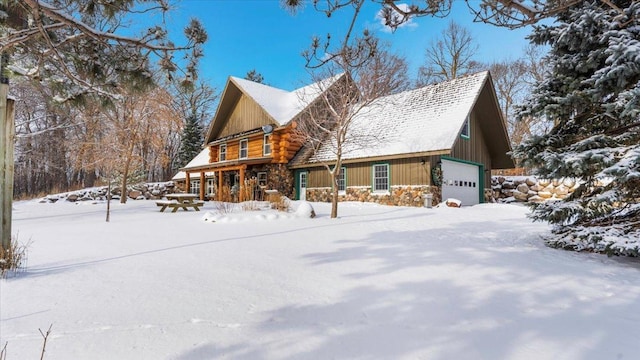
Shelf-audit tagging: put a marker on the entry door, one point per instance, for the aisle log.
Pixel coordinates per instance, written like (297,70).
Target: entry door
(303,185)
(460,181)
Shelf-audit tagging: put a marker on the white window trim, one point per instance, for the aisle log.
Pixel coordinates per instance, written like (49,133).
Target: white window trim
(266,143)
(220,152)
(373,179)
(246,141)
(194,186)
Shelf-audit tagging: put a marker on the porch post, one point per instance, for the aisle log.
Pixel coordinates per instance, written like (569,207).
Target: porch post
(242,168)
(187,182)
(202,185)
(219,192)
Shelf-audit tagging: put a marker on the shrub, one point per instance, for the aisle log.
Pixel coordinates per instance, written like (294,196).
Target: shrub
(13,259)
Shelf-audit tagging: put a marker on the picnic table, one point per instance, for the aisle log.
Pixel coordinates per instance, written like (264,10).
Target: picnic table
(180,201)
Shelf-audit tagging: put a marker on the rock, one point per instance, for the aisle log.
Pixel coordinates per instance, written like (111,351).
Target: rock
(569,183)
(544,183)
(530,182)
(535,187)
(536,199)
(72,197)
(520,196)
(134,194)
(523,188)
(501,179)
(508,185)
(561,191)
(544,194)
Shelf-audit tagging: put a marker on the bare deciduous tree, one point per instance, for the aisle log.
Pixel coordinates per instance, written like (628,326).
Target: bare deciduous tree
(326,125)
(450,56)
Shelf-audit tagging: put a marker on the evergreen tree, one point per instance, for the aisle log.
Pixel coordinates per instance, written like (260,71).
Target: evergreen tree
(593,96)
(254,76)
(191,141)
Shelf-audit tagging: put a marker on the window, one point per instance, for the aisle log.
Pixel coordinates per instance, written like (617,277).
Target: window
(262,179)
(266,149)
(244,149)
(194,187)
(342,179)
(465,128)
(211,186)
(381,177)
(222,153)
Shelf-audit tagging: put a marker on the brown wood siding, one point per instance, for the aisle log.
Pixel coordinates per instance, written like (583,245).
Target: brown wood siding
(318,177)
(246,115)
(403,172)
(410,172)
(474,148)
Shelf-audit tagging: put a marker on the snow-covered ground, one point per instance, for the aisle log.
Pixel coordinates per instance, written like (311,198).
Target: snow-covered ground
(378,283)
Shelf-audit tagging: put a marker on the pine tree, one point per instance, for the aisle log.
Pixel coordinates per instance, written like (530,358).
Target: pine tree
(593,96)
(191,141)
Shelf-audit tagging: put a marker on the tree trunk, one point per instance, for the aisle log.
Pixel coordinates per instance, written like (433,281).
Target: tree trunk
(7,135)
(334,195)
(125,173)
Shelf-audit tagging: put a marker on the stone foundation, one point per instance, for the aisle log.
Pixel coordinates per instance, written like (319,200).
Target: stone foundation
(399,195)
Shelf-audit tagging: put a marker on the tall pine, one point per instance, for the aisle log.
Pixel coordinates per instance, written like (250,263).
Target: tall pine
(593,96)
(191,141)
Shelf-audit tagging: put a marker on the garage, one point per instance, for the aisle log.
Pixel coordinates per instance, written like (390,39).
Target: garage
(461,180)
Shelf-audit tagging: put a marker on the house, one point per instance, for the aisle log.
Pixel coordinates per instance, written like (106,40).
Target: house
(442,139)
(250,141)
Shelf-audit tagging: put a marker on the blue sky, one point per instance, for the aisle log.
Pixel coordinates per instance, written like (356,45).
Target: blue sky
(261,35)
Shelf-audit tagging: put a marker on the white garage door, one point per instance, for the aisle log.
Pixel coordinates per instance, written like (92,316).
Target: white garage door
(460,181)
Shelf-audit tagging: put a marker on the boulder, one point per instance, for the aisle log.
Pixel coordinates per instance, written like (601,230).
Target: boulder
(530,182)
(134,194)
(520,196)
(508,185)
(523,188)
(544,182)
(544,194)
(72,197)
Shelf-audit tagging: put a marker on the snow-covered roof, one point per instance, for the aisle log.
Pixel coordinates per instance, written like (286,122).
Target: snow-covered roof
(200,160)
(415,121)
(283,105)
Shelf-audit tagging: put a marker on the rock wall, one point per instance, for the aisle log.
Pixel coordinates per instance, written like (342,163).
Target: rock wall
(530,189)
(135,192)
(399,195)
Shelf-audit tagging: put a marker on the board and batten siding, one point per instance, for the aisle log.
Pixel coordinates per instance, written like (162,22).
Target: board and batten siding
(474,148)
(403,172)
(246,115)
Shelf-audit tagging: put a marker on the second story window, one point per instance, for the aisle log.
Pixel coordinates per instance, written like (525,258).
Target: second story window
(244,149)
(267,145)
(465,128)
(222,153)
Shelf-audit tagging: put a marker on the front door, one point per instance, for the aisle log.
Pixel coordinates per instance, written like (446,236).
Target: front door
(303,185)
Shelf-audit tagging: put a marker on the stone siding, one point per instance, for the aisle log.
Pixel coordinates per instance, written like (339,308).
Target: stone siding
(399,195)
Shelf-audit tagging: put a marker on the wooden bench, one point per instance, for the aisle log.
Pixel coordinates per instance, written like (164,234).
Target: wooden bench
(177,205)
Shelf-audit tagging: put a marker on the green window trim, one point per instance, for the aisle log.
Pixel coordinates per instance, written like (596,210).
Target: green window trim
(343,173)
(465,133)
